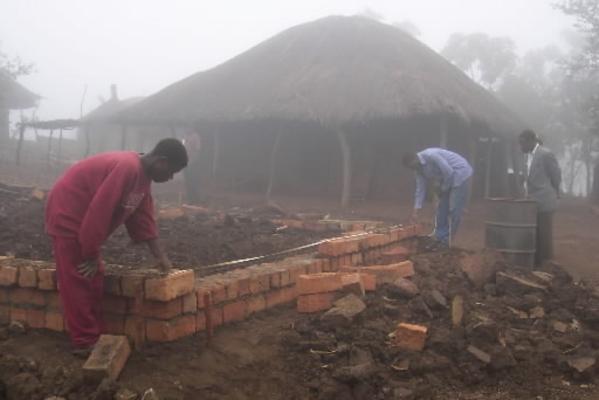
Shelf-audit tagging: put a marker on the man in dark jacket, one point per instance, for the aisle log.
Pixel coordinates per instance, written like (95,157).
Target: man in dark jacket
(542,183)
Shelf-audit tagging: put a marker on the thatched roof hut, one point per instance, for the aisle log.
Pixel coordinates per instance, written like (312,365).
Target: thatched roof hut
(348,75)
(14,96)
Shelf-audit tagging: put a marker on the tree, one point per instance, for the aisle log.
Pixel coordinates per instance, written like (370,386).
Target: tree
(14,66)
(584,71)
(485,59)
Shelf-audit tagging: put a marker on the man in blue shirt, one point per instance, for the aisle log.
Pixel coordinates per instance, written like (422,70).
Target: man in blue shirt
(450,174)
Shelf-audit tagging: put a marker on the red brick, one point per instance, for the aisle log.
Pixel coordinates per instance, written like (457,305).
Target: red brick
(217,316)
(190,303)
(218,293)
(354,283)
(200,295)
(335,261)
(54,321)
(244,286)
(108,358)
(167,331)
(315,267)
(114,324)
(162,309)
(319,283)
(232,289)
(312,303)
(396,255)
(36,318)
(275,279)
(4,314)
(46,279)
(200,321)
(256,303)
(338,247)
(18,314)
(22,296)
(295,271)
(27,276)
(369,281)
(171,286)
(3,296)
(54,302)
(112,284)
(390,273)
(8,275)
(410,337)
(115,304)
(285,278)
(356,259)
(259,283)
(280,296)
(132,285)
(236,311)
(135,330)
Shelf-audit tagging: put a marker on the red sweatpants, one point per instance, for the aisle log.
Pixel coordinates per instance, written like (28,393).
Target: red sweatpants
(81,297)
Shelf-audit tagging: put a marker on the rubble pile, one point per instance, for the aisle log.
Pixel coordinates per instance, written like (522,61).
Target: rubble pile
(461,320)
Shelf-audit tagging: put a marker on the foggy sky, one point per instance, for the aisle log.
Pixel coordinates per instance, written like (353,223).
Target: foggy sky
(144,45)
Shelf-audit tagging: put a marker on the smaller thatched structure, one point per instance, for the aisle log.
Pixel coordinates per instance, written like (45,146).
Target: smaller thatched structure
(13,96)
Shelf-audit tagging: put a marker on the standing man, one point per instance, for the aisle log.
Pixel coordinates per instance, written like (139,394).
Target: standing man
(191,174)
(84,207)
(542,184)
(450,174)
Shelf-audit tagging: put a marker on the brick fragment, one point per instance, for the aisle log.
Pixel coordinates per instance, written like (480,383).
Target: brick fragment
(256,303)
(46,279)
(108,357)
(171,286)
(410,337)
(312,303)
(235,311)
(27,276)
(54,321)
(167,331)
(162,309)
(22,296)
(319,283)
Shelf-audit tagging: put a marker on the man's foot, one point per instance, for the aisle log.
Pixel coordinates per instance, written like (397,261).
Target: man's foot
(82,352)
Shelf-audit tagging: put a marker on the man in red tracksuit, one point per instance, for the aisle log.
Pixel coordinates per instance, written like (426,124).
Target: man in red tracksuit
(84,207)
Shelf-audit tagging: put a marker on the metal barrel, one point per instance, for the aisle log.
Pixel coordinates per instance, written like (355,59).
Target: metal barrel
(511,229)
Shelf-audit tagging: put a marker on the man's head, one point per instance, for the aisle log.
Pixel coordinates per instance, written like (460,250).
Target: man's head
(165,160)
(528,140)
(410,160)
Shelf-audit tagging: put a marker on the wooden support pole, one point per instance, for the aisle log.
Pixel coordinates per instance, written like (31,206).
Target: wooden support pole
(272,167)
(488,169)
(20,143)
(49,146)
(59,155)
(87,129)
(346,167)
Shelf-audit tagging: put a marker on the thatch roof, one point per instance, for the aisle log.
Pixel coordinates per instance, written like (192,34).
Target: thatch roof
(14,96)
(336,70)
(107,111)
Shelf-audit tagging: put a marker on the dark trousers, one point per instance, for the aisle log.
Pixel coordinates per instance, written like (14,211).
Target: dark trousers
(544,237)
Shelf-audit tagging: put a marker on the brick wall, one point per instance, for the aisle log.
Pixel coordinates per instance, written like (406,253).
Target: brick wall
(150,307)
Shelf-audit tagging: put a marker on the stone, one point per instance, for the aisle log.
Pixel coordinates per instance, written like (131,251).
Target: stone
(457,311)
(560,326)
(403,287)
(479,354)
(344,310)
(108,357)
(537,313)
(16,328)
(581,364)
(544,277)
(125,394)
(517,285)
(150,394)
(479,267)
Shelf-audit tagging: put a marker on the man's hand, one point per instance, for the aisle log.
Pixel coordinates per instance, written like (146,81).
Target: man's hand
(164,264)
(89,268)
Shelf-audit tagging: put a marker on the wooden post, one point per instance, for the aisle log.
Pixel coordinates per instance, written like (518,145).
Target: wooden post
(346,167)
(49,146)
(87,129)
(20,143)
(443,133)
(272,166)
(123,136)
(59,155)
(488,169)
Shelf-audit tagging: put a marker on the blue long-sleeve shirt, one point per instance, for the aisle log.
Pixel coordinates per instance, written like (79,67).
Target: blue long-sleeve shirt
(446,167)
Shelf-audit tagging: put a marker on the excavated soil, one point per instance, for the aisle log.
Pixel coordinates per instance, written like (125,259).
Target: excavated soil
(536,337)
(191,240)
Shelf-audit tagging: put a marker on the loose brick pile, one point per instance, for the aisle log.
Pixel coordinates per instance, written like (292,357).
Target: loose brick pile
(146,307)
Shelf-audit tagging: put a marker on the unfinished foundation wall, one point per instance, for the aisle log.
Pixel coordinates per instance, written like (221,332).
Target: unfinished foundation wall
(149,307)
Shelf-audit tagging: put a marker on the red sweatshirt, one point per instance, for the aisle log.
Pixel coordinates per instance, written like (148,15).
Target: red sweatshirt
(98,194)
